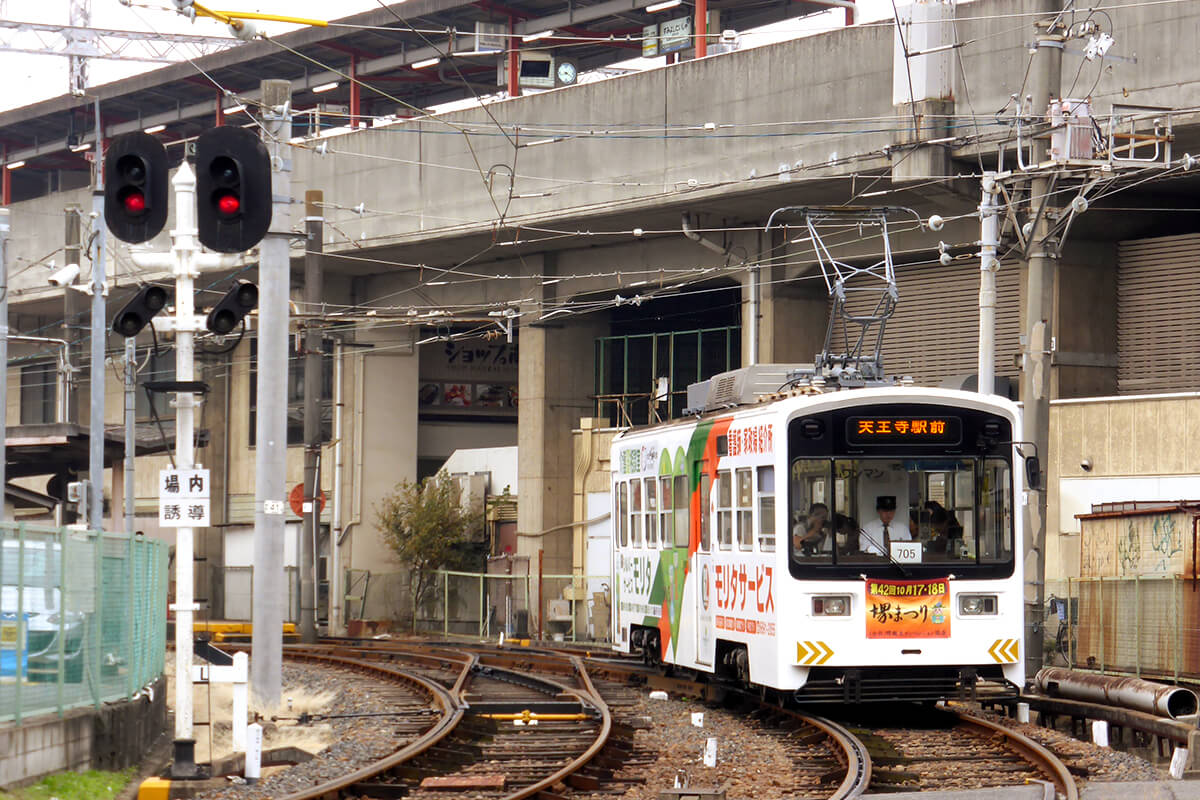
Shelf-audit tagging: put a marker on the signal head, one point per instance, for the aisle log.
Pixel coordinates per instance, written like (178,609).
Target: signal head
(232,308)
(233,186)
(138,312)
(135,187)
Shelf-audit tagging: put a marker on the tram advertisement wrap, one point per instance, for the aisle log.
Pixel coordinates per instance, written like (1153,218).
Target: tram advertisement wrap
(908,609)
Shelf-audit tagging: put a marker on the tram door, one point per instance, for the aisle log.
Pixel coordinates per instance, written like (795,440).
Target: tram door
(705,642)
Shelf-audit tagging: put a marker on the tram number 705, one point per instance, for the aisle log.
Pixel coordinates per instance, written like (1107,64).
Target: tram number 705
(906,552)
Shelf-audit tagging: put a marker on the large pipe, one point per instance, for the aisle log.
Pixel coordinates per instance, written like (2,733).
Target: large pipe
(1134,693)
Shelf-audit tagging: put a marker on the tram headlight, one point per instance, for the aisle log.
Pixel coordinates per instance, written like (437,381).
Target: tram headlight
(837,605)
(976,605)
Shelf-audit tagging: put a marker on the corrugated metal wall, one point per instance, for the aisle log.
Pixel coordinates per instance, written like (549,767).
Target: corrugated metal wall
(934,333)
(1158,314)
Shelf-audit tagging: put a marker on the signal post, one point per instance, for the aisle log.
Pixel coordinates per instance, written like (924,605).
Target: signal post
(135,200)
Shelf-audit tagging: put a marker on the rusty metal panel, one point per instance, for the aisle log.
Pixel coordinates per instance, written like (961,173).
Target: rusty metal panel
(1137,543)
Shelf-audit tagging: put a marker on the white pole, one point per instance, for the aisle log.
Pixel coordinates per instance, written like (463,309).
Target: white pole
(989,265)
(184,247)
(241,704)
(253,753)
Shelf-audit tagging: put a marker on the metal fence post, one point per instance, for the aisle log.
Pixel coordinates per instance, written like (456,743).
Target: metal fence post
(21,668)
(445,604)
(1071,604)
(61,538)
(131,595)
(1177,590)
(1103,654)
(484,621)
(1137,625)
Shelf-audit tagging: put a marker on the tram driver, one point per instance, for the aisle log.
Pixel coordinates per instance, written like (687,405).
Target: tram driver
(878,534)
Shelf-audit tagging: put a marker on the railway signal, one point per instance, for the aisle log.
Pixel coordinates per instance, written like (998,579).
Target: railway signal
(232,308)
(233,189)
(135,187)
(135,314)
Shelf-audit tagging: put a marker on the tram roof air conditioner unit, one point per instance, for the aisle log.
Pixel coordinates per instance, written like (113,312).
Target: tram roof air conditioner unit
(740,386)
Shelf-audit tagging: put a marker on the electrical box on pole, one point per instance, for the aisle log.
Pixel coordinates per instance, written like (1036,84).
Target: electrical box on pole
(135,187)
(135,314)
(233,189)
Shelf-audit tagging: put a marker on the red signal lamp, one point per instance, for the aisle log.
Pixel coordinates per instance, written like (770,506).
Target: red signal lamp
(134,202)
(229,204)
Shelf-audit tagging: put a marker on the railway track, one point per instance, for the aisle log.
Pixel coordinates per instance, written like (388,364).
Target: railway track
(510,723)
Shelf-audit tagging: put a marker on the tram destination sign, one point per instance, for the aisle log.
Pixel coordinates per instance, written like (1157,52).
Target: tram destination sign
(927,430)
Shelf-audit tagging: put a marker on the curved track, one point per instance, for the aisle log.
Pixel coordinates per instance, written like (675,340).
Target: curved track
(484,693)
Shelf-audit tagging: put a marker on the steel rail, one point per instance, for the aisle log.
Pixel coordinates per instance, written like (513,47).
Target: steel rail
(589,696)
(452,714)
(858,760)
(1045,761)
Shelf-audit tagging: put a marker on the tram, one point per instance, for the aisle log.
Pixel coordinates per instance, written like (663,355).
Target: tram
(835,544)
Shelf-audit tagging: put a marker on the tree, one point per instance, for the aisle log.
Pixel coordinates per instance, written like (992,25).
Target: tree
(428,528)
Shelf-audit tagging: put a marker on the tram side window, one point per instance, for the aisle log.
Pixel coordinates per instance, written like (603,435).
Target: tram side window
(635,517)
(766,509)
(623,513)
(725,509)
(745,508)
(651,512)
(664,515)
(705,512)
(812,533)
(680,497)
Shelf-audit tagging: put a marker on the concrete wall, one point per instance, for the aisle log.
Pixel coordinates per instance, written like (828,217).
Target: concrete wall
(112,738)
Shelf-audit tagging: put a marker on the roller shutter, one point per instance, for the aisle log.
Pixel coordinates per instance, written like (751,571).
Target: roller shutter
(934,333)
(1158,315)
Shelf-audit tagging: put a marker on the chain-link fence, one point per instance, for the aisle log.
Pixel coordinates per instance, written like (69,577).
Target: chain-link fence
(1144,626)
(83,617)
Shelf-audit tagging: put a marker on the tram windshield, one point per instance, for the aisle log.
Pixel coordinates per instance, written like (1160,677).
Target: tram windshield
(949,512)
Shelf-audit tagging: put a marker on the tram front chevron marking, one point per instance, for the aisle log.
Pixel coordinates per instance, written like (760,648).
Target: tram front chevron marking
(813,653)
(1005,651)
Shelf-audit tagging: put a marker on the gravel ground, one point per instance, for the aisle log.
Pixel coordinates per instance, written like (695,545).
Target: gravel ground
(752,761)
(1103,764)
(341,746)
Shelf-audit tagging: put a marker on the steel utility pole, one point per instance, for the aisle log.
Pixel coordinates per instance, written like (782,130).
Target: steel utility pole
(1046,77)
(99,340)
(314,224)
(271,436)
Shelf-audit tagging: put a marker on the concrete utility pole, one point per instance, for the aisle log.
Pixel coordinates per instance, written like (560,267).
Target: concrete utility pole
(271,436)
(99,340)
(5,226)
(989,265)
(1046,77)
(314,224)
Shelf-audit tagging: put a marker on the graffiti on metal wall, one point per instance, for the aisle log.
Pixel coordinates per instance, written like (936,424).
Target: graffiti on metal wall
(1149,545)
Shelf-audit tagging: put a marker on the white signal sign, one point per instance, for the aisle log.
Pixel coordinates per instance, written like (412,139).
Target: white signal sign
(183,498)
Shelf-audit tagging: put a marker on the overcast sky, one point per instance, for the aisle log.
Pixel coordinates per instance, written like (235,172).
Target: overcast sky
(29,78)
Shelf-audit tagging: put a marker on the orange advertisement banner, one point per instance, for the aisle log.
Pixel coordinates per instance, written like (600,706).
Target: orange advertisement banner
(908,609)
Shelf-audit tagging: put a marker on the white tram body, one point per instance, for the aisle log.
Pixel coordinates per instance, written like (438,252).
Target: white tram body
(723,564)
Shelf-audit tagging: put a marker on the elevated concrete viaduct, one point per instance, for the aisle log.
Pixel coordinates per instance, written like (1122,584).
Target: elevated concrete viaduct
(532,205)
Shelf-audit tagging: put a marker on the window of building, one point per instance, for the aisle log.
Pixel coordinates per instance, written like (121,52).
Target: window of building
(39,388)
(295,394)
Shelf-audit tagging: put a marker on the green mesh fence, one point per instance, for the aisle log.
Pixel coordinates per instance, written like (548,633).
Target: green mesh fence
(83,617)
